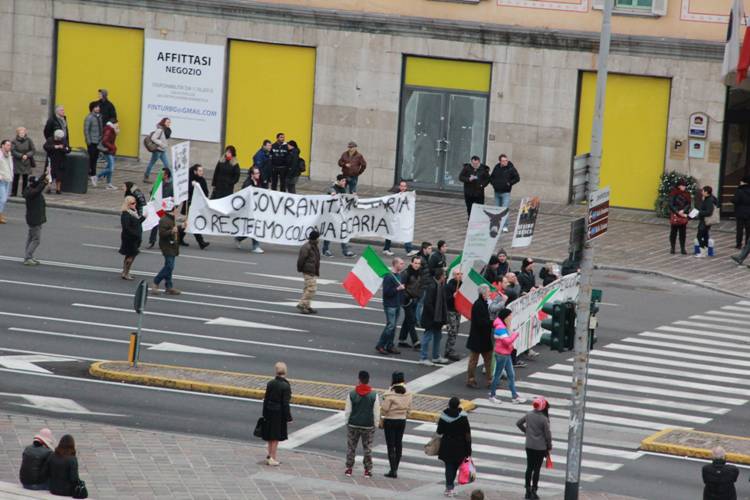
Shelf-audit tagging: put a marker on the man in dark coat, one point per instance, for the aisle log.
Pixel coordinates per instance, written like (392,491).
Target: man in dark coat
(308,263)
(279,162)
(741,201)
(437,258)
(719,477)
(36,215)
(434,316)
(58,121)
(170,248)
(106,108)
(480,340)
(455,444)
(502,178)
(475,176)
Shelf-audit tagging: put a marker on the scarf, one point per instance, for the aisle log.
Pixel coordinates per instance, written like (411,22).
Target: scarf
(133,213)
(363,389)
(63,121)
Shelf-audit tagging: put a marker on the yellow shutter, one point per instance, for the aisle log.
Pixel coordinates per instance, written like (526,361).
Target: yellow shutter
(447,74)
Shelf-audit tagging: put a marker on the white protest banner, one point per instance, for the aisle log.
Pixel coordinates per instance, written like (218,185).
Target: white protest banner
(185,82)
(526,221)
(287,219)
(180,171)
(482,234)
(528,314)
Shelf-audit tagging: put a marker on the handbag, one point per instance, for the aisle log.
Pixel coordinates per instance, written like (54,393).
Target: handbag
(432,448)
(467,472)
(548,462)
(260,426)
(677,220)
(149,144)
(712,219)
(79,490)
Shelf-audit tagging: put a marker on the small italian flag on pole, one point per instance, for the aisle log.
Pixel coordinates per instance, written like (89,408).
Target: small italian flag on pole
(365,278)
(469,292)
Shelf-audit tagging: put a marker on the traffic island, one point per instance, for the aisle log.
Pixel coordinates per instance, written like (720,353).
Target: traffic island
(698,444)
(246,385)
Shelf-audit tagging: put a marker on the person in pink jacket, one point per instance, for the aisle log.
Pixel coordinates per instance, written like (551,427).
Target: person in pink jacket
(503,348)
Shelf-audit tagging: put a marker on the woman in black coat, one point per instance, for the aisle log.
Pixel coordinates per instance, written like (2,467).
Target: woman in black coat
(195,175)
(130,237)
(57,149)
(455,444)
(62,467)
(276,412)
(226,174)
(294,170)
(679,207)
(705,211)
(480,339)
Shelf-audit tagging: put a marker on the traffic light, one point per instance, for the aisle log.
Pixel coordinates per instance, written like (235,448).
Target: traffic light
(555,323)
(569,324)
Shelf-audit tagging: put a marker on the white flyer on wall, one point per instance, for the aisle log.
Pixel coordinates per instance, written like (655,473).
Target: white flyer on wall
(184,82)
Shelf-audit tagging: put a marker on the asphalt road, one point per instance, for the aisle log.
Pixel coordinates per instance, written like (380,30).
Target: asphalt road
(240,306)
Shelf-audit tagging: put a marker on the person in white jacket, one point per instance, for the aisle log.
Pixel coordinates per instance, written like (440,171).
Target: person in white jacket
(362,411)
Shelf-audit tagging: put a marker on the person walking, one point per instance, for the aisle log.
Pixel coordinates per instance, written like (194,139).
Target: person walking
(411,279)
(108,110)
(707,216)
(504,340)
(276,412)
(434,316)
(195,178)
(6,175)
(453,317)
(741,201)
(475,176)
(361,411)
(108,149)
(62,466)
(535,425)
(295,169)
(33,473)
(170,248)
(255,179)
(352,164)
(503,177)
(131,234)
(679,206)
(395,409)
(36,215)
(93,132)
(480,342)
(279,162)
(308,263)
(455,443)
(393,291)
(719,477)
(22,148)
(226,174)
(403,187)
(158,140)
(337,188)
(57,150)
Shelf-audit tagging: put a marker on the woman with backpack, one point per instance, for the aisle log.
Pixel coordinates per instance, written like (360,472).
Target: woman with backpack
(708,215)
(296,167)
(156,143)
(455,443)
(535,424)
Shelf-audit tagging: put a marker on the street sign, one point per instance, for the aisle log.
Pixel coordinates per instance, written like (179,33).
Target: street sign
(597,219)
(141,293)
(580,180)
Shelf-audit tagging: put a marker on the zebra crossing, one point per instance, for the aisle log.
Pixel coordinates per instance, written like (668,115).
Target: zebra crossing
(684,374)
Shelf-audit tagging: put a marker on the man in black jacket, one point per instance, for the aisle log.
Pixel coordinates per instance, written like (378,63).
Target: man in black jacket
(503,177)
(279,162)
(308,263)
(106,108)
(526,277)
(437,258)
(719,477)
(36,215)
(741,203)
(475,176)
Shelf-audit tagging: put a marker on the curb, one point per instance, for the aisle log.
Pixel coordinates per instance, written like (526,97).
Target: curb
(651,444)
(96,370)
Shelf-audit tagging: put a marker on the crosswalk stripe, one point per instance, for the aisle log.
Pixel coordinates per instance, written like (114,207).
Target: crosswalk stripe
(643,389)
(722,320)
(694,340)
(698,367)
(675,354)
(704,333)
(735,308)
(666,371)
(711,326)
(637,340)
(729,314)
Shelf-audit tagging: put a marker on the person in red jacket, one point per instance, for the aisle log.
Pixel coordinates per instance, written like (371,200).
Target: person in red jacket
(108,148)
(503,348)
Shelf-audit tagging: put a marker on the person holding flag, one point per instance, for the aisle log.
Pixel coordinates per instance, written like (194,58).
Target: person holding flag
(169,239)
(163,190)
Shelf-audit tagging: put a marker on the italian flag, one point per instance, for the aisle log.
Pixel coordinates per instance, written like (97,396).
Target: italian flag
(469,292)
(155,208)
(365,278)
(454,263)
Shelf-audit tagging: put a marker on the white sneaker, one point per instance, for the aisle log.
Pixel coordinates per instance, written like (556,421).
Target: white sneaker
(238,244)
(440,361)
(412,253)
(532,354)
(518,400)
(388,253)
(505,229)
(494,400)
(111,187)
(274,463)
(426,362)
(257,250)
(94,180)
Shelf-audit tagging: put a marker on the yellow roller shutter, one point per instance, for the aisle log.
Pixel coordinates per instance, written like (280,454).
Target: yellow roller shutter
(447,74)
(635,135)
(270,90)
(91,57)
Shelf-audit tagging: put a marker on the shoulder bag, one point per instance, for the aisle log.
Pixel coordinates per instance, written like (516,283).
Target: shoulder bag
(432,448)
(149,143)
(79,490)
(260,427)
(714,218)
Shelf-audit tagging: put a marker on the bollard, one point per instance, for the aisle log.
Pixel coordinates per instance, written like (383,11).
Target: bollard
(132,349)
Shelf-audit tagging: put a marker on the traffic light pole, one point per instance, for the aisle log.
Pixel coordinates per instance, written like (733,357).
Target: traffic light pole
(581,359)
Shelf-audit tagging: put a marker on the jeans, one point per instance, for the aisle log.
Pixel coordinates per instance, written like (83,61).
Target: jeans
(389,332)
(351,184)
(4,191)
(503,362)
(408,247)
(109,169)
(420,308)
(408,327)
(291,184)
(93,150)
(157,155)
(703,235)
(166,272)
(24,178)
(32,241)
(451,469)
(394,435)
(431,336)
(327,246)
(503,200)
(534,460)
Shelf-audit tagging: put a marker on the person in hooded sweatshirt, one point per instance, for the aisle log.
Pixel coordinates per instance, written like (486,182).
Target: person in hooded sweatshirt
(455,443)
(33,473)
(361,412)
(504,340)
(393,412)
(719,477)
(535,425)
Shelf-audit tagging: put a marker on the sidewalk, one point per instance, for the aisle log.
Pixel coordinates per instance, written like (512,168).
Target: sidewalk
(319,394)
(636,240)
(120,462)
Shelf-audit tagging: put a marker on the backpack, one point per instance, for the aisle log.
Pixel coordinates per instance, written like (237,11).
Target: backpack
(149,143)
(301,165)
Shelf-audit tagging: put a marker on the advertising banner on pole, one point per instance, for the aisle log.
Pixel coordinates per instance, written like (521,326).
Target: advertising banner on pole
(184,82)
(181,171)
(287,219)
(482,234)
(526,221)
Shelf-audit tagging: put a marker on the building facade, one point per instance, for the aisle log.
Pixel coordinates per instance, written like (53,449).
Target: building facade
(420,85)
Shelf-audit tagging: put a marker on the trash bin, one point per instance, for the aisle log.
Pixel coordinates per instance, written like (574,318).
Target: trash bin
(76,176)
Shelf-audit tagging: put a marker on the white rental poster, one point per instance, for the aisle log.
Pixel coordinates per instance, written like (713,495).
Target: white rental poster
(184,82)
(180,170)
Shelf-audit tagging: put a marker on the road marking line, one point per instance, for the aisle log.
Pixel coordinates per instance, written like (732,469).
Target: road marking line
(694,340)
(298,279)
(703,333)
(182,255)
(666,371)
(711,326)
(313,431)
(692,459)
(731,314)
(722,320)
(674,354)
(70,358)
(670,362)
(637,340)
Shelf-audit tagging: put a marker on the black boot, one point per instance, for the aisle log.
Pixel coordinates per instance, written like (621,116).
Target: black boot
(534,496)
(671,250)
(528,494)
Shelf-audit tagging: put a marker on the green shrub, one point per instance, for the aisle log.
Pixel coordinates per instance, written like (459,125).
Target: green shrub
(667,183)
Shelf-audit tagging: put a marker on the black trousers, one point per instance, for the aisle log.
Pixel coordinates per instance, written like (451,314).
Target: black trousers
(93,151)
(394,435)
(743,226)
(703,235)
(534,460)
(471,199)
(24,178)
(198,237)
(153,235)
(675,231)
(278,178)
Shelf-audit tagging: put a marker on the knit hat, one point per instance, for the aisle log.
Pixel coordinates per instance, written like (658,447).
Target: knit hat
(502,252)
(352,144)
(46,438)
(539,404)
(397,378)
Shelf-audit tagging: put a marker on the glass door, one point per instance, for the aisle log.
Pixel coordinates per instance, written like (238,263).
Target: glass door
(466,133)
